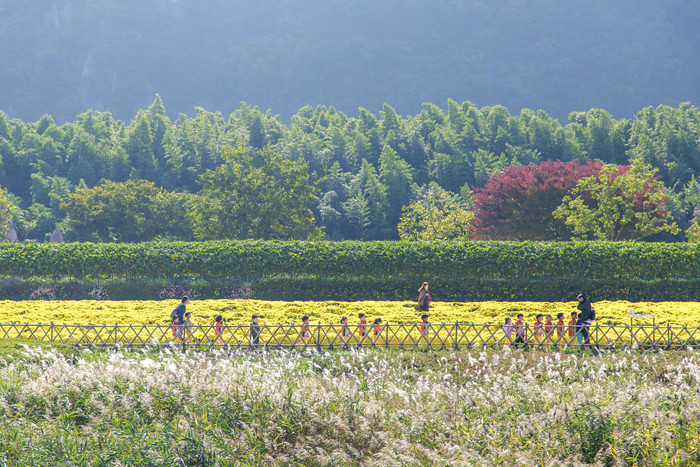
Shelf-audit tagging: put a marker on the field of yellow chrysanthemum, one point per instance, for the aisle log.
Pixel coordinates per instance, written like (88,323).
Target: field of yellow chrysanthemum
(330,312)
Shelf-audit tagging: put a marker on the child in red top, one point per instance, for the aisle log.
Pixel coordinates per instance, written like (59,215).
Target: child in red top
(344,328)
(304,331)
(377,329)
(539,327)
(548,325)
(424,327)
(363,324)
(519,331)
(572,323)
(560,324)
(377,326)
(218,329)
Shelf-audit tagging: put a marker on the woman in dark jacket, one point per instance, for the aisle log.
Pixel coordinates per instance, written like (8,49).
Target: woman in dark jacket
(585,317)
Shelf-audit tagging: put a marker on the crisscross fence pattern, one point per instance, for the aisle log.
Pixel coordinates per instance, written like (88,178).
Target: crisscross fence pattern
(390,335)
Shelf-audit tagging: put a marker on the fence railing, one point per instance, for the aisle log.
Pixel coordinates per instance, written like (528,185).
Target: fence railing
(436,336)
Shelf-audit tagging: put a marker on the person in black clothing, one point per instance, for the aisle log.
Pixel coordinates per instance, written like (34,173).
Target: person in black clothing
(585,317)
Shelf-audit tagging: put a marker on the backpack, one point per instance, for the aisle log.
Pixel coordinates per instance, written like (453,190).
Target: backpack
(173,315)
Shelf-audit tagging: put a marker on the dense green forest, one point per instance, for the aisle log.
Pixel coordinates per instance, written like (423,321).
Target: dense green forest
(353,174)
(60,57)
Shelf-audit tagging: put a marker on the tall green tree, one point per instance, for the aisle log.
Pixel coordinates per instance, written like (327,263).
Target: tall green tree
(239,200)
(5,214)
(396,175)
(366,206)
(139,147)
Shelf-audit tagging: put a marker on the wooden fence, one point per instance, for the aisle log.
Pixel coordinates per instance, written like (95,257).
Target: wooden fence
(404,336)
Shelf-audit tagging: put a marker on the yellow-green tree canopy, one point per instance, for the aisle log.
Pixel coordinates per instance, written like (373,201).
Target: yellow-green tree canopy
(132,211)
(436,215)
(620,203)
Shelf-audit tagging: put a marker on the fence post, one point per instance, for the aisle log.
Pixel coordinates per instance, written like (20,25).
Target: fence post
(318,341)
(51,333)
(115,335)
(597,336)
(386,340)
(668,339)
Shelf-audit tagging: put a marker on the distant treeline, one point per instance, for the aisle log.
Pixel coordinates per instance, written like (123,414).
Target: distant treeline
(367,167)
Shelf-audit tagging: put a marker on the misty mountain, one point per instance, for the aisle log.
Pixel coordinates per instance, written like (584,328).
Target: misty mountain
(62,57)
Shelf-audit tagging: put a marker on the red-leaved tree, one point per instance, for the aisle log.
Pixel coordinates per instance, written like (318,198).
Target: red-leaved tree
(517,204)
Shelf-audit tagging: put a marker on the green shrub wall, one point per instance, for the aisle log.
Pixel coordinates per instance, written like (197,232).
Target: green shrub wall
(253,259)
(356,288)
(353,270)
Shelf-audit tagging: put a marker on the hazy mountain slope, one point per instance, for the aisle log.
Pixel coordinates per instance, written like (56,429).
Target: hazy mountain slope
(61,57)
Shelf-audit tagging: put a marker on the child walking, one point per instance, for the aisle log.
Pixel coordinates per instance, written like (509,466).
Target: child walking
(539,328)
(520,332)
(560,326)
(188,327)
(424,329)
(572,326)
(377,325)
(344,331)
(304,331)
(218,330)
(362,328)
(508,329)
(548,328)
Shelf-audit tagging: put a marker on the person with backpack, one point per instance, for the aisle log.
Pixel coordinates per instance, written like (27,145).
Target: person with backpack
(423,298)
(585,318)
(177,317)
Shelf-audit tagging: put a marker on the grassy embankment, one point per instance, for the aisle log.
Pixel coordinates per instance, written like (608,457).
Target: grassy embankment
(348,408)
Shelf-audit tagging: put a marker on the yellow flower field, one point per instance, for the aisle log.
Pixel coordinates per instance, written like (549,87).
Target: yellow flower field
(278,312)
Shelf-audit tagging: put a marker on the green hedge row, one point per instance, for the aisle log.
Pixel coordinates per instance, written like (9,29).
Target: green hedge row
(247,260)
(357,288)
(469,289)
(119,289)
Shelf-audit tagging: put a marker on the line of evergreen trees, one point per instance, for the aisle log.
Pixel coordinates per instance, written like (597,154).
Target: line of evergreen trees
(366,167)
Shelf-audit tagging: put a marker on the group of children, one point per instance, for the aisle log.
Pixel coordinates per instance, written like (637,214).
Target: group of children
(365,333)
(545,332)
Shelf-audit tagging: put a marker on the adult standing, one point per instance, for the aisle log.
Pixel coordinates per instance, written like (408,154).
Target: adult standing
(180,311)
(254,331)
(585,317)
(424,298)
